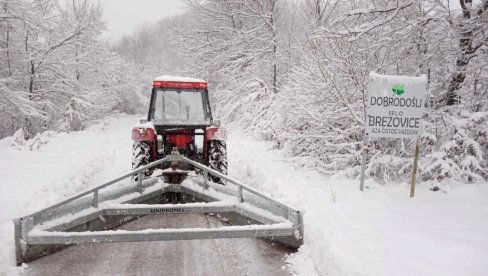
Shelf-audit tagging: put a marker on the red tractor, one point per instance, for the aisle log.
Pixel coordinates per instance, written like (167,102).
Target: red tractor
(180,121)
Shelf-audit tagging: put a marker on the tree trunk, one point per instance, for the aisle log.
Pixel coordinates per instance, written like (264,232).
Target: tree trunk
(32,68)
(275,50)
(7,42)
(465,53)
(31,80)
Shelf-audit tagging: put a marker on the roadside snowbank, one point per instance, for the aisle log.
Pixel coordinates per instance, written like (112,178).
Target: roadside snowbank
(65,164)
(379,232)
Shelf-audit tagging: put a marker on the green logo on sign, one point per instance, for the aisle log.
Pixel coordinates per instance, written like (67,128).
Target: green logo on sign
(398,89)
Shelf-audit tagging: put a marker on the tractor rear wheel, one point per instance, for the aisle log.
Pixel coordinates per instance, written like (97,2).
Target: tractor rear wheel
(141,156)
(217,159)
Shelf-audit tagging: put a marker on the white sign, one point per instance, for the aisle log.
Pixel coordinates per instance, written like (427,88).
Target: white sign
(395,106)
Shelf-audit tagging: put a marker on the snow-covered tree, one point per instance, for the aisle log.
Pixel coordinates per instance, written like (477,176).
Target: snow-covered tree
(296,73)
(58,74)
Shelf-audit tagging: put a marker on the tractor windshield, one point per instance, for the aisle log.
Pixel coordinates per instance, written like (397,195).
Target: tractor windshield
(180,107)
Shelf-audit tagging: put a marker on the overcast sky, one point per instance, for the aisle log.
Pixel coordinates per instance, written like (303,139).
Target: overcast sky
(124,16)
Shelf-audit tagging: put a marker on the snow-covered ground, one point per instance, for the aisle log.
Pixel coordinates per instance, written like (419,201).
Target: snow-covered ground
(379,232)
(65,165)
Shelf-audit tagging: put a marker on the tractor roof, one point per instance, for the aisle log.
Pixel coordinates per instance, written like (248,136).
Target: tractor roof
(179,82)
(177,79)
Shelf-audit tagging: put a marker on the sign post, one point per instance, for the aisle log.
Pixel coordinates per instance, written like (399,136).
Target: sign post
(395,105)
(363,161)
(415,162)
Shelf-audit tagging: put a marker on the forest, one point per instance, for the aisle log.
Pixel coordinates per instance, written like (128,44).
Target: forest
(291,72)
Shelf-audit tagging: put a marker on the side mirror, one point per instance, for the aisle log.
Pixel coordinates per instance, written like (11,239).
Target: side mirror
(216,123)
(143,121)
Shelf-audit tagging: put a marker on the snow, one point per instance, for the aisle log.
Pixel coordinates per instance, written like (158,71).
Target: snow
(177,79)
(378,232)
(145,125)
(223,203)
(68,163)
(404,79)
(275,226)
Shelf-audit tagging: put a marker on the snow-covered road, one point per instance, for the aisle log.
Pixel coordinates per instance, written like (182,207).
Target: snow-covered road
(186,258)
(69,163)
(378,232)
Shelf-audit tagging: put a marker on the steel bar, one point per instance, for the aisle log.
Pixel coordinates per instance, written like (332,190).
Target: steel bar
(139,182)
(248,212)
(17,238)
(246,231)
(275,223)
(205,180)
(245,187)
(255,216)
(76,221)
(79,219)
(95,199)
(161,209)
(26,225)
(100,187)
(239,194)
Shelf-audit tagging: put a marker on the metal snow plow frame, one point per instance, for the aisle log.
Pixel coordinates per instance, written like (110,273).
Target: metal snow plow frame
(84,219)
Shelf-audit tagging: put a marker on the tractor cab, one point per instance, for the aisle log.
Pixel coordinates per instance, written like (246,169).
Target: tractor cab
(179,102)
(180,120)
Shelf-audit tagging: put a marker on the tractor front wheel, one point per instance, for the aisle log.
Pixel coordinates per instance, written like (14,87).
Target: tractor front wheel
(141,156)
(217,159)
